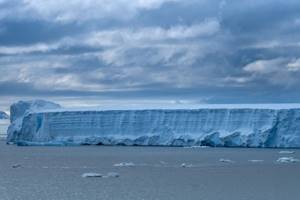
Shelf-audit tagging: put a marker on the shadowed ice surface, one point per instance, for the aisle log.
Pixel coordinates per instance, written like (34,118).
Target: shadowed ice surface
(153,173)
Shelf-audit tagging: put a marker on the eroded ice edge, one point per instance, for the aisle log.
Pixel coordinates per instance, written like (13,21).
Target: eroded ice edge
(46,123)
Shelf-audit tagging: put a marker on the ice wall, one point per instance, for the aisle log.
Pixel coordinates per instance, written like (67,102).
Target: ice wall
(21,109)
(213,127)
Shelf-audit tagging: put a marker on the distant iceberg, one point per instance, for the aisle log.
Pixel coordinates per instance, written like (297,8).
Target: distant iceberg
(46,123)
(3,115)
(4,122)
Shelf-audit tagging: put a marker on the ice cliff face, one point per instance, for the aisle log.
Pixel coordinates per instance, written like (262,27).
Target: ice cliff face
(21,109)
(3,115)
(212,127)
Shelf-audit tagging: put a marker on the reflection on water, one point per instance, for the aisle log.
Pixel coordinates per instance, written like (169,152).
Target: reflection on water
(4,123)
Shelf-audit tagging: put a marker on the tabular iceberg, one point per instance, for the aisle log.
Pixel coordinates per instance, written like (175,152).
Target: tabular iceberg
(46,123)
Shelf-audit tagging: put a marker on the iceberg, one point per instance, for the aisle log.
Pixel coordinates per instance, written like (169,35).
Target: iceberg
(4,122)
(3,115)
(46,123)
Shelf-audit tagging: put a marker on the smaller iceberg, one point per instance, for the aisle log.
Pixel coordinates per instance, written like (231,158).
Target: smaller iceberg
(3,115)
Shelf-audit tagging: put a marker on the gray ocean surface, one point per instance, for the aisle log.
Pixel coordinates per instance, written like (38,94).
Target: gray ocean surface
(153,173)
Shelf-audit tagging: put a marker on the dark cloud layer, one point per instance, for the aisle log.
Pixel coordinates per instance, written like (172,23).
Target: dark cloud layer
(198,51)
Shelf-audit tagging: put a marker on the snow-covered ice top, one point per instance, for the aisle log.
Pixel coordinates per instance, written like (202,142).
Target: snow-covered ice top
(40,122)
(21,108)
(118,107)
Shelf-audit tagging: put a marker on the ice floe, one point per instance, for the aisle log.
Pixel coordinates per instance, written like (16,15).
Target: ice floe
(256,161)
(185,165)
(226,160)
(98,175)
(124,164)
(16,166)
(91,175)
(112,174)
(288,160)
(286,152)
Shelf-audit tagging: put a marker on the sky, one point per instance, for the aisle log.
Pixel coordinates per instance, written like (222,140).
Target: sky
(150,52)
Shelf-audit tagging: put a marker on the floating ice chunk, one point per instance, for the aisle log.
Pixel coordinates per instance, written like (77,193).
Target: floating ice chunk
(16,166)
(98,175)
(287,160)
(256,161)
(226,160)
(124,164)
(112,174)
(286,152)
(163,162)
(186,165)
(91,175)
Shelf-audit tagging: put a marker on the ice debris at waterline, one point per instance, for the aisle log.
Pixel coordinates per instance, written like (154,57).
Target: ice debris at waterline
(46,123)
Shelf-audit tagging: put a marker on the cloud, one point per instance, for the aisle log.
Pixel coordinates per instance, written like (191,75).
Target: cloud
(265,66)
(279,71)
(11,50)
(148,35)
(122,36)
(294,65)
(122,58)
(78,11)
(220,51)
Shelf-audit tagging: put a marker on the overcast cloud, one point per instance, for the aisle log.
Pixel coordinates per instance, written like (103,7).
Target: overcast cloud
(141,51)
